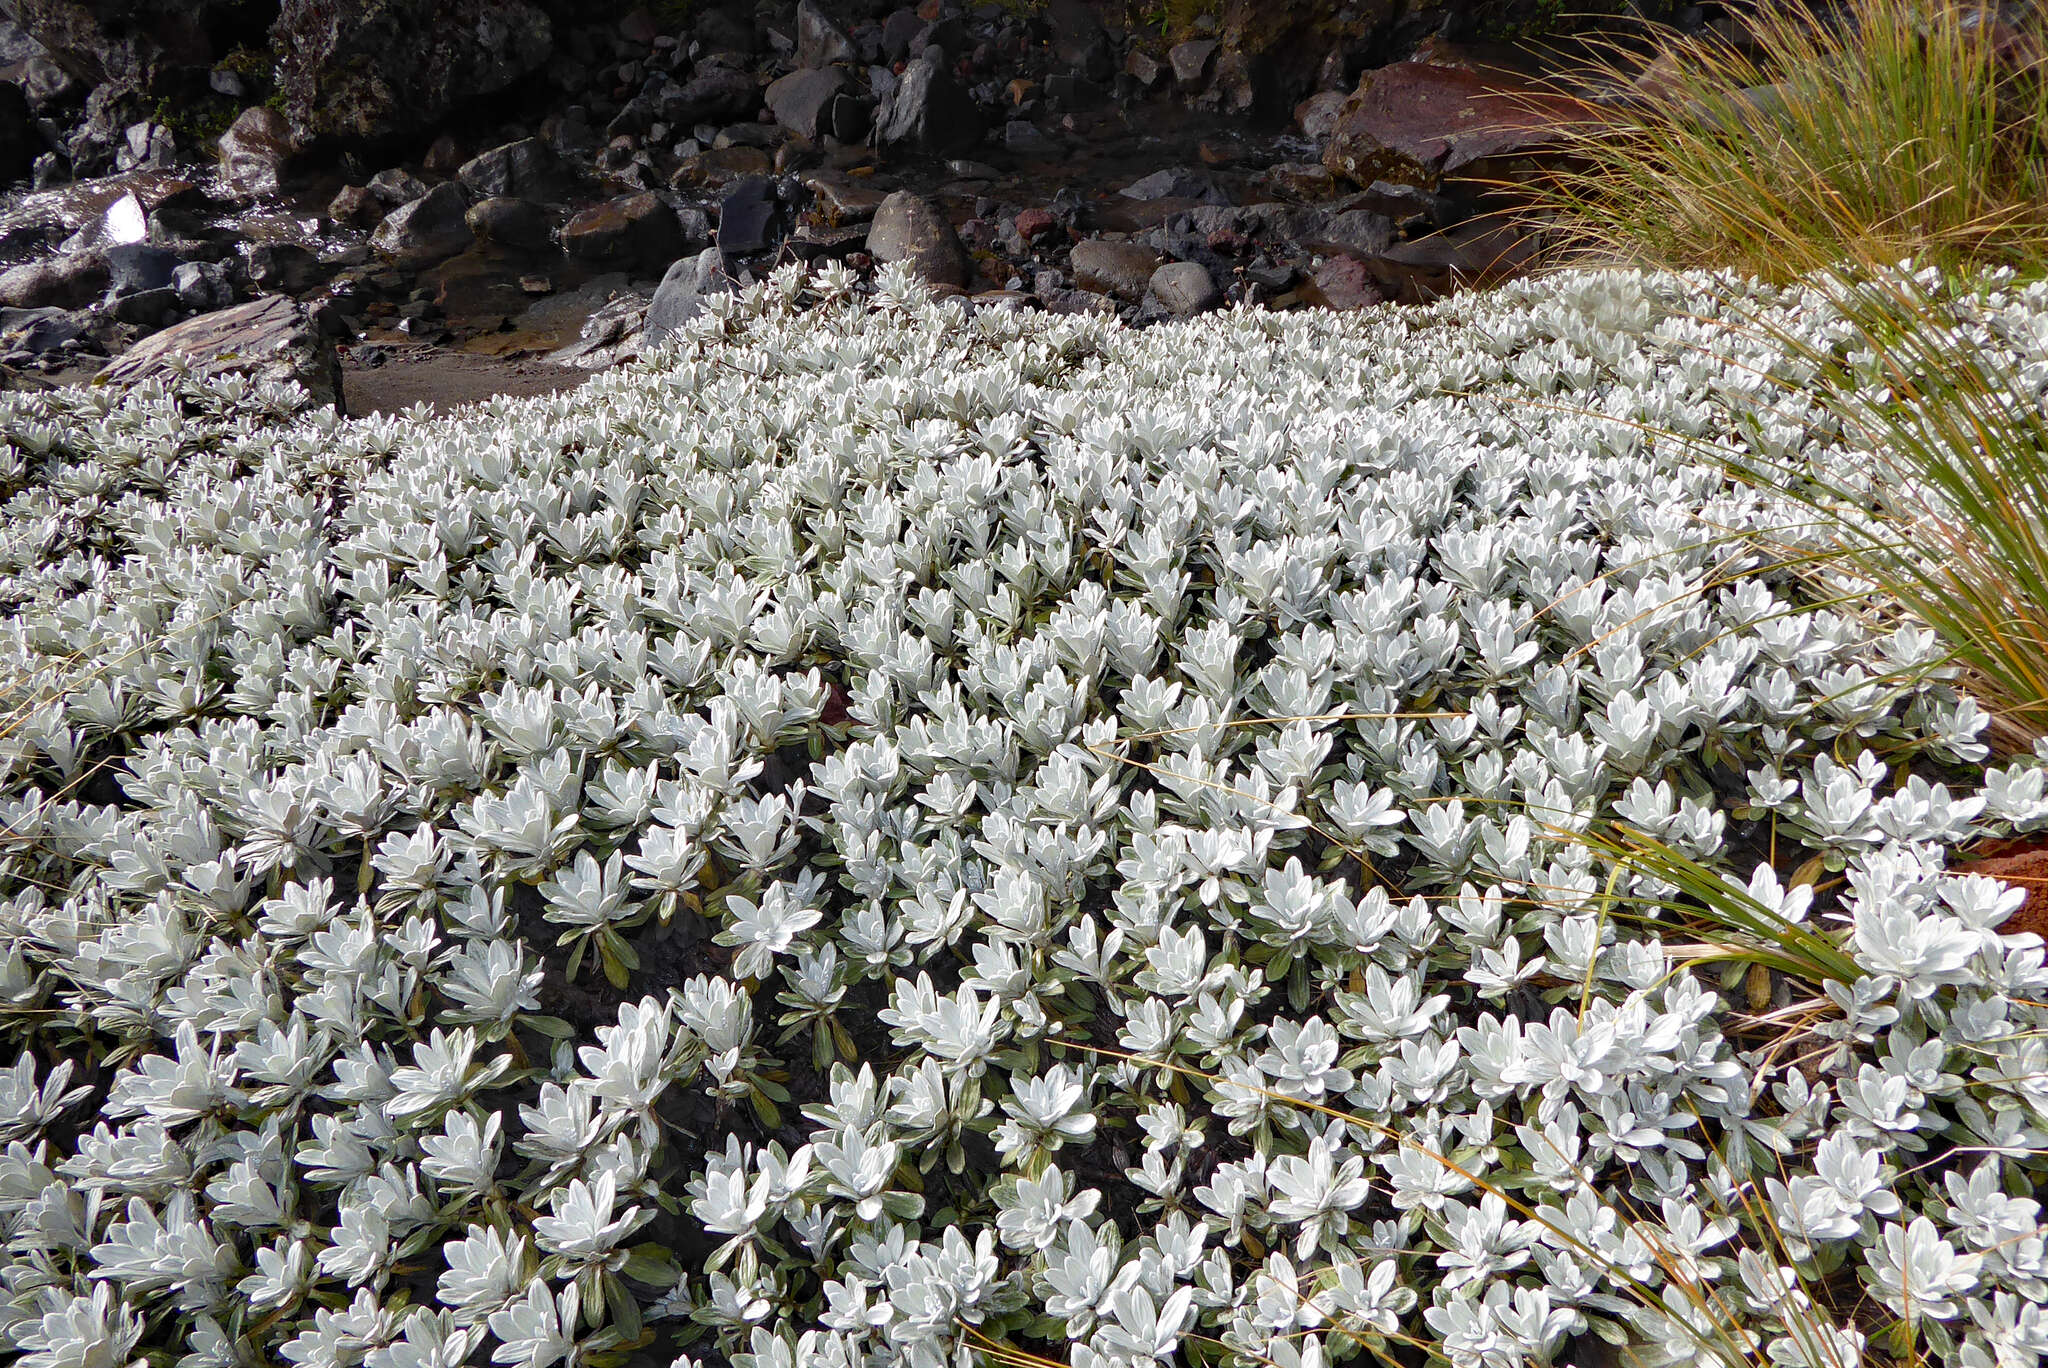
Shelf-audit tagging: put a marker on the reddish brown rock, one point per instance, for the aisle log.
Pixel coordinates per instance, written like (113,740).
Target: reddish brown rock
(1416,123)
(1343,282)
(2023,863)
(1033,224)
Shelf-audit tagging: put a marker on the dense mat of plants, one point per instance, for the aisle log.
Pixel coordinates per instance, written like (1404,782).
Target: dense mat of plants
(892,834)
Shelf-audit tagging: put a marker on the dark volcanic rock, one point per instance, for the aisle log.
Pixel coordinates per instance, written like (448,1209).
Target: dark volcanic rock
(928,112)
(802,100)
(395,186)
(819,41)
(682,292)
(133,267)
(430,228)
(369,69)
(270,338)
(714,95)
(255,151)
(510,222)
(632,230)
(355,206)
(746,216)
(527,169)
(910,229)
(152,46)
(282,267)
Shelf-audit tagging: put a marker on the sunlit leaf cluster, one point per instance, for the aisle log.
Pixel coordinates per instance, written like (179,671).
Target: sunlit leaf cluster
(887,834)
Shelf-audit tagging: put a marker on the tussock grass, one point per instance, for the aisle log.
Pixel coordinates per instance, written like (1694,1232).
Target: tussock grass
(1871,130)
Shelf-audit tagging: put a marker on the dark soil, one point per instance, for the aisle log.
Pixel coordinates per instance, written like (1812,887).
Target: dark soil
(392,377)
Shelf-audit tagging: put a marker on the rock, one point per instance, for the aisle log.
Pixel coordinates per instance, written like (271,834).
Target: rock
(63,282)
(133,267)
(444,157)
(1033,224)
(123,220)
(1079,42)
(1417,122)
(1184,288)
(1176,183)
(1027,139)
(282,267)
(1141,66)
(721,166)
(1342,282)
(928,112)
(396,186)
(429,229)
(610,335)
(632,230)
(202,285)
(680,296)
(714,95)
(149,46)
(1300,180)
(1358,231)
(21,142)
(819,41)
(48,85)
(802,101)
(255,151)
(510,222)
(898,30)
(1123,269)
(1317,115)
(746,217)
(146,308)
(1191,61)
(845,199)
(37,330)
(269,339)
(355,206)
(910,229)
(527,169)
(369,69)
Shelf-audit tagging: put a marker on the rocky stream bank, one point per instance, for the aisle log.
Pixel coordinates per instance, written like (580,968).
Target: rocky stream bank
(395,201)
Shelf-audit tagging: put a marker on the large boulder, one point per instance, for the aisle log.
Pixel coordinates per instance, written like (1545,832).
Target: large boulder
(1421,122)
(268,339)
(152,46)
(374,69)
(255,151)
